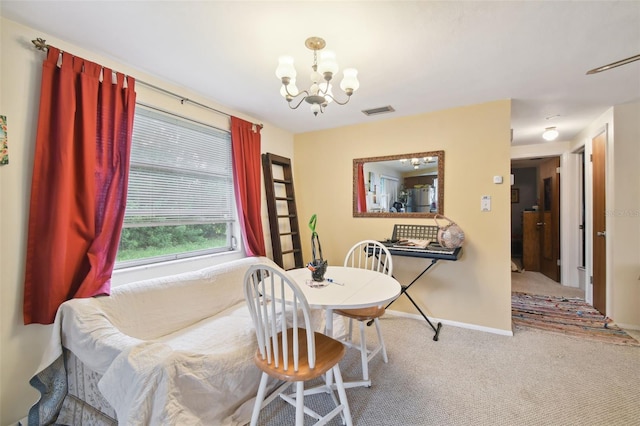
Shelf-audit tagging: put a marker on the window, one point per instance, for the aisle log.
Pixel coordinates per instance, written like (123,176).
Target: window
(180,196)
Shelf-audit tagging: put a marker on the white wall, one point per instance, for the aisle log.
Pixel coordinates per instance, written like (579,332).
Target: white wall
(583,141)
(622,123)
(552,149)
(20,71)
(623,219)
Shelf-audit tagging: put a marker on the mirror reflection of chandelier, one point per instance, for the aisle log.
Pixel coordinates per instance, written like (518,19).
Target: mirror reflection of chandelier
(415,162)
(320,94)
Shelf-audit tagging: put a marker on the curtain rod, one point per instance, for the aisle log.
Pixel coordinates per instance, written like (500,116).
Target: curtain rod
(41,44)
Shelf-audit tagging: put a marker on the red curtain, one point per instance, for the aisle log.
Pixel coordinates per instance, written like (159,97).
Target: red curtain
(245,139)
(362,193)
(79,184)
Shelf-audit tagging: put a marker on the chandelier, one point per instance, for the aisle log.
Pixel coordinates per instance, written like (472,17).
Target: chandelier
(320,93)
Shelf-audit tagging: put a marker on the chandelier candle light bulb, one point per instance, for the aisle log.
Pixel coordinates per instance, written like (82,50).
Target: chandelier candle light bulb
(320,93)
(327,64)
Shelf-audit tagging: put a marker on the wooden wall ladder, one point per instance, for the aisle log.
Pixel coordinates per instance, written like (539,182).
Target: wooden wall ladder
(283,215)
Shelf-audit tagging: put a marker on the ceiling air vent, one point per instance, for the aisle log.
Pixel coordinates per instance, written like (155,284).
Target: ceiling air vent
(376,111)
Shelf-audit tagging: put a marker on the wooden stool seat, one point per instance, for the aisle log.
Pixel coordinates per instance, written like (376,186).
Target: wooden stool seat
(328,353)
(364,314)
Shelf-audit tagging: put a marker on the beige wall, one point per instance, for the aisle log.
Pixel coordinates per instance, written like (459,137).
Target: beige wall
(476,139)
(20,69)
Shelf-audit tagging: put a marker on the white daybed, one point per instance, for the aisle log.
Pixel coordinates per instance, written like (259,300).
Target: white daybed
(172,350)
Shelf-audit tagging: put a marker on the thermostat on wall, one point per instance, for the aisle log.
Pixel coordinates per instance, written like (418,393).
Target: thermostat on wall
(485,203)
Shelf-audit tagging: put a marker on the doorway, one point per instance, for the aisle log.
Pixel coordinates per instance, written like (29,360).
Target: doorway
(549,217)
(535,215)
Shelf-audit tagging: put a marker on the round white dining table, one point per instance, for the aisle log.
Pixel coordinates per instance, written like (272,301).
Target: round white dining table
(346,288)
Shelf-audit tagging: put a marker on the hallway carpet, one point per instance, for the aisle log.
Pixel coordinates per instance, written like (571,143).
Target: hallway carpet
(571,316)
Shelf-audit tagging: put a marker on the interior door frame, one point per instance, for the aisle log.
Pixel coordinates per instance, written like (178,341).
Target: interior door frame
(571,166)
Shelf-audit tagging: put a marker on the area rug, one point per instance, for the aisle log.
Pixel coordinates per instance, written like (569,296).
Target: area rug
(570,316)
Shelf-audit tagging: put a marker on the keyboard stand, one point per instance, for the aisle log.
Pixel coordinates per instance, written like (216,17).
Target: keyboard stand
(437,328)
(434,256)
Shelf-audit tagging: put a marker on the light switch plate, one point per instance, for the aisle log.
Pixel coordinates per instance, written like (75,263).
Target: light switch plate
(485,203)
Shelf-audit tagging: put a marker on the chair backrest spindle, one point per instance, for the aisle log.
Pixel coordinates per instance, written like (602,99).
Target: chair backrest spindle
(370,254)
(277,304)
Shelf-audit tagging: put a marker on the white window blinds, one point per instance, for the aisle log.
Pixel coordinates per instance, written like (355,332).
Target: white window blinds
(180,172)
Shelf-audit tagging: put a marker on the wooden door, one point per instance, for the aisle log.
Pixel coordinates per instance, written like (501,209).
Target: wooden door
(599,223)
(549,204)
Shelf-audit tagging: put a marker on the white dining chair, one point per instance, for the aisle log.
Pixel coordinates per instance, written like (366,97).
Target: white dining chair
(288,348)
(372,255)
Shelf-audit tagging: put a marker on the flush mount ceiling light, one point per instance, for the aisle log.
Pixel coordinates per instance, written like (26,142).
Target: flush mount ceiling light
(319,94)
(550,134)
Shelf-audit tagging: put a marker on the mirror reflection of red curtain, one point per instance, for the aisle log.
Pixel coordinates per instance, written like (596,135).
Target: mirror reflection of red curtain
(362,192)
(245,139)
(79,183)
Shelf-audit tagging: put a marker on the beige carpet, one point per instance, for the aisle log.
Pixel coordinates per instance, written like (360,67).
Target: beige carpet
(475,378)
(537,283)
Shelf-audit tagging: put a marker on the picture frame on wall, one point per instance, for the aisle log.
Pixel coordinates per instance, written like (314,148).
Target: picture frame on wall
(515,195)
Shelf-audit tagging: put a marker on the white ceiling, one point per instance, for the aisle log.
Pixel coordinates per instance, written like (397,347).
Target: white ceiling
(416,56)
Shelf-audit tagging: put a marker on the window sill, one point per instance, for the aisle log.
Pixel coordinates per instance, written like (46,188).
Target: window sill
(172,267)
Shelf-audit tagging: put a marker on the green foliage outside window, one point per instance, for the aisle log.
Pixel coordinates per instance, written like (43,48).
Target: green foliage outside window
(152,241)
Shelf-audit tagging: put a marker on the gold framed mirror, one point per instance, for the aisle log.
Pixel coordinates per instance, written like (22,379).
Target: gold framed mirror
(399,186)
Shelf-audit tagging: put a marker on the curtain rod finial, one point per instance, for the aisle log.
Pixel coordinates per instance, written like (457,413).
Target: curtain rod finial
(40,43)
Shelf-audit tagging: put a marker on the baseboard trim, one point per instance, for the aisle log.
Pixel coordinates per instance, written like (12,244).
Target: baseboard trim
(454,323)
(628,326)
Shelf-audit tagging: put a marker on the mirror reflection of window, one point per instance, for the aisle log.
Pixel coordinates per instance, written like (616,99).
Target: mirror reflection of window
(384,186)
